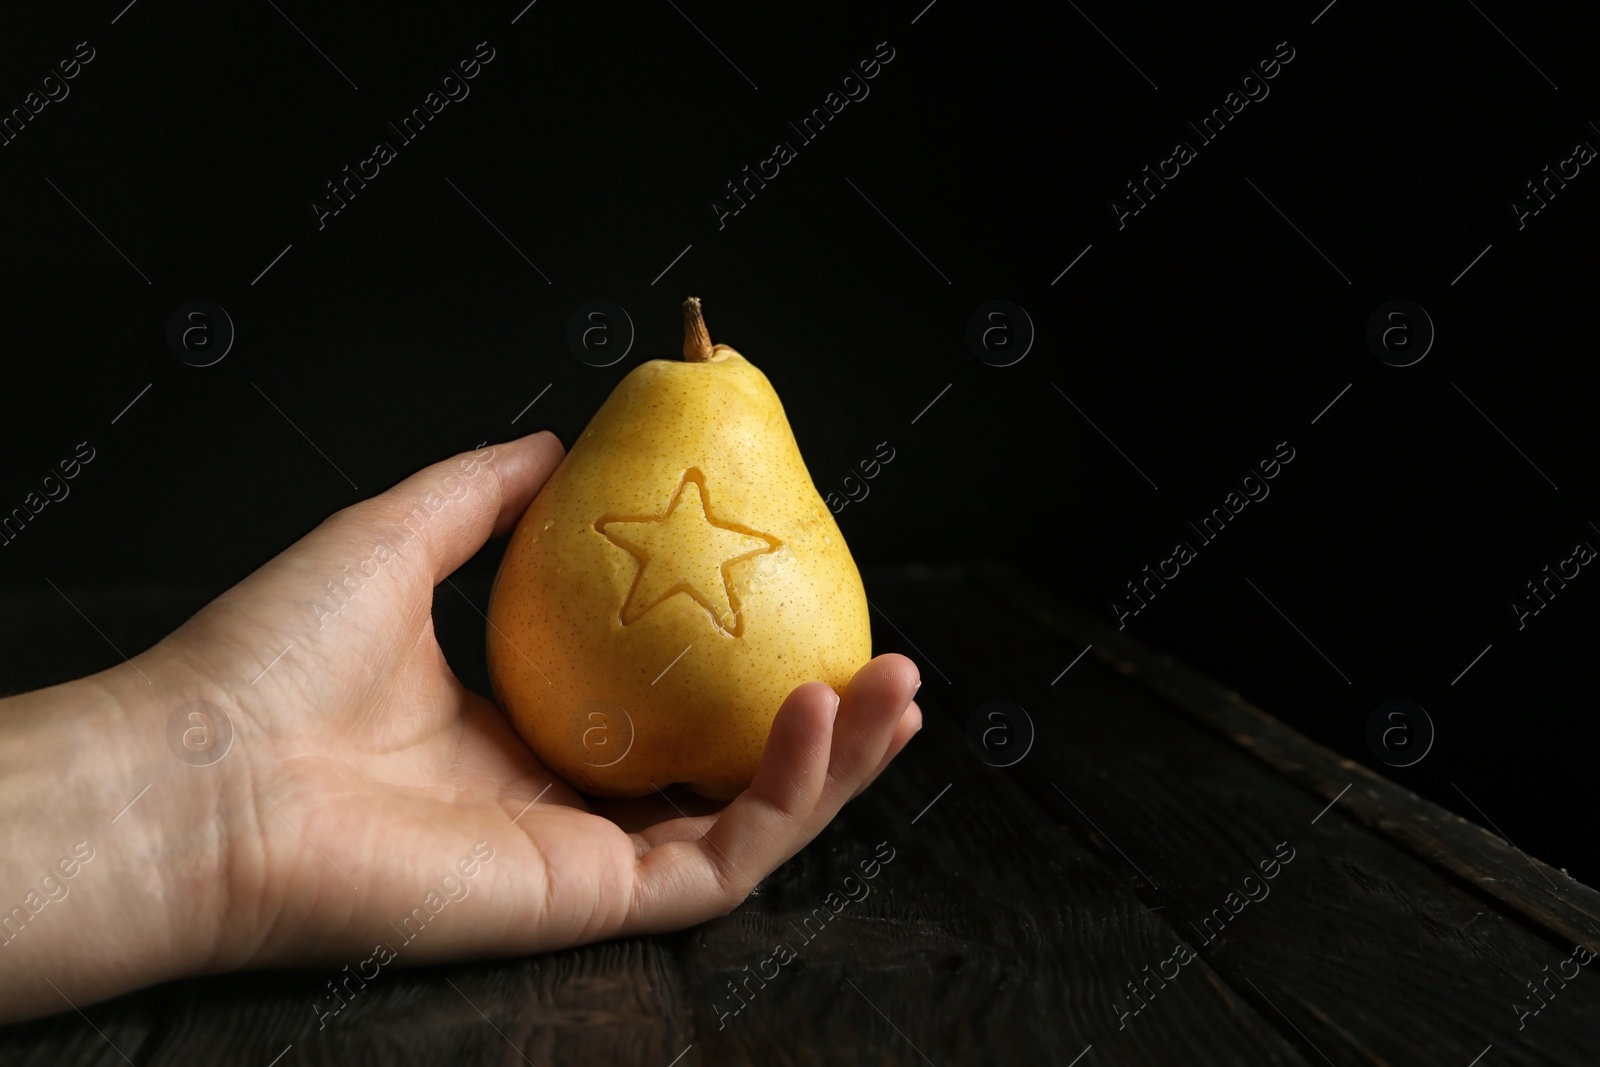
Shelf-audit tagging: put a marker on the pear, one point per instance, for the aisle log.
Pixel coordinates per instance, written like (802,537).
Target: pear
(673,581)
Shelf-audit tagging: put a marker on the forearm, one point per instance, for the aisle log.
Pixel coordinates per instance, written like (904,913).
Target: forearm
(110,862)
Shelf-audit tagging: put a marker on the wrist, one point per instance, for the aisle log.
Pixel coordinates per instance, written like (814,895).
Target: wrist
(111,879)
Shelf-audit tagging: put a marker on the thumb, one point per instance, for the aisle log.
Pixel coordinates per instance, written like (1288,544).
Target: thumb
(454,506)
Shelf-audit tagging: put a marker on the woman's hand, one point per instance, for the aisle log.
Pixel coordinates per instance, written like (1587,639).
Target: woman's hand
(365,798)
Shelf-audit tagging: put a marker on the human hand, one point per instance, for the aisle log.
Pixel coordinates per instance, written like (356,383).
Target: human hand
(367,797)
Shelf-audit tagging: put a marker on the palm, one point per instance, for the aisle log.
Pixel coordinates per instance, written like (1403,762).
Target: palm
(373,773)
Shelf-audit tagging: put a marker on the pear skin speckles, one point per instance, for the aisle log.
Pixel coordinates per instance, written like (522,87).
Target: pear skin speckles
(682,698)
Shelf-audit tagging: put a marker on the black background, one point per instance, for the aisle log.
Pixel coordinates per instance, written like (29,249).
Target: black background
(1196,338)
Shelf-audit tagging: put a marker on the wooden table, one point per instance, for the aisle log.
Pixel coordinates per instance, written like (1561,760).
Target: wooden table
(1167,875)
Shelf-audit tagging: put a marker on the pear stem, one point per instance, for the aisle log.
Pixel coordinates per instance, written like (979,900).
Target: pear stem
(696,338)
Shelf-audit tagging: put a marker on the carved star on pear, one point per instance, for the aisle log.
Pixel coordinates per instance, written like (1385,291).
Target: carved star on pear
(686,550)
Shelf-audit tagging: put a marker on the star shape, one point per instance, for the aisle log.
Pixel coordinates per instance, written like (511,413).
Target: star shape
(685,550)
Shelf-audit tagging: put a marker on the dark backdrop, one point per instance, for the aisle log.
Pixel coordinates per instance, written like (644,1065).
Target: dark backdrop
(1184,343)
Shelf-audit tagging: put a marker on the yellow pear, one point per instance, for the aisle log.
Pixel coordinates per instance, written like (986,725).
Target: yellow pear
(674,579)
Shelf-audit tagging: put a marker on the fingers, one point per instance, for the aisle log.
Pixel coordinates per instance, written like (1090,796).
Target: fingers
(904,731)
(794,764)
(454,506)
(821,749)
(873,703)
(683,880)
(523,468)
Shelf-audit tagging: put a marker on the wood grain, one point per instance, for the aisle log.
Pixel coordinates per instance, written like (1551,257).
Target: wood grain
(1373,953)
(1542,892)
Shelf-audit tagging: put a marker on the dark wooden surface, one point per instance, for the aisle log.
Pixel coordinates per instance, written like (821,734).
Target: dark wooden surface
(1015,911)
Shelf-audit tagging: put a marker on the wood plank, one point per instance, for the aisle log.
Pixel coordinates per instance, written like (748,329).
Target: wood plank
(104,1035)
(617,1002)
(1372,955)
(1543,893)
